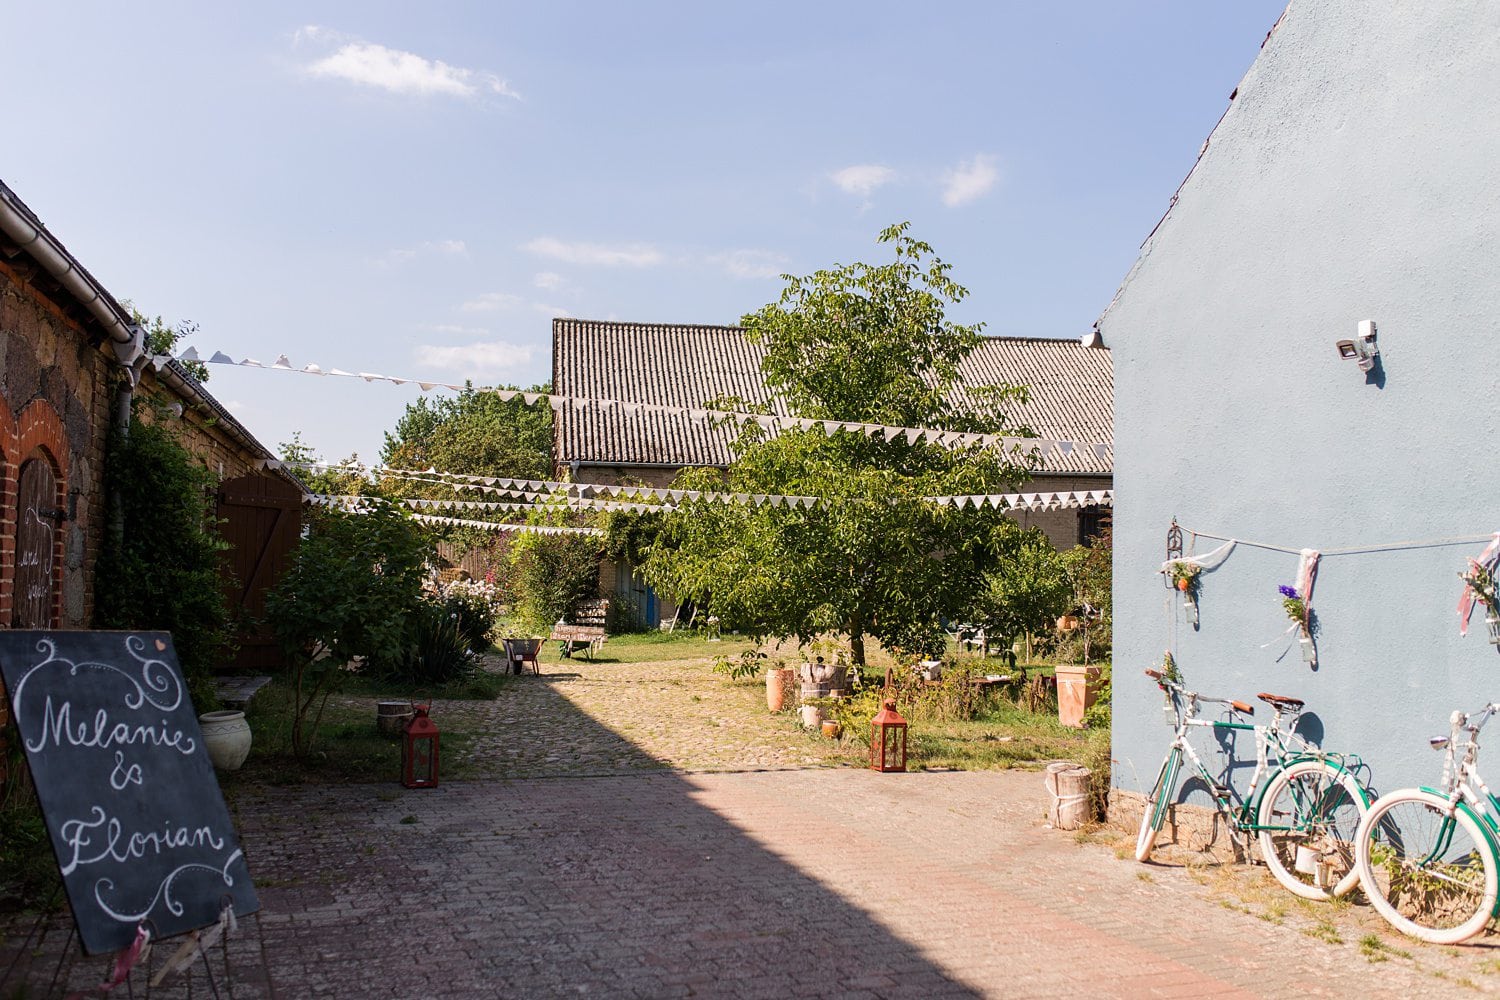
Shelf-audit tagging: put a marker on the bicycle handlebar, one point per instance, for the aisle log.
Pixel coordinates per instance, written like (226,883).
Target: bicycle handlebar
(1239,706)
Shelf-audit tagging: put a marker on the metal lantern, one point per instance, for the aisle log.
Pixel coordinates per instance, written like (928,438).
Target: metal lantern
(888,739)
(419,750)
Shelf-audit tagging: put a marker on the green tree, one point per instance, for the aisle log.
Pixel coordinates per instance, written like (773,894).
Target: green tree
(867,343)
(165,338)
(1027,586)
(351,590)
(348,479)
(475,432)
(550,575)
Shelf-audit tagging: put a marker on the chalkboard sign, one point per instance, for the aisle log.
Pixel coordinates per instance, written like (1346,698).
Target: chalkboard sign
(126,787)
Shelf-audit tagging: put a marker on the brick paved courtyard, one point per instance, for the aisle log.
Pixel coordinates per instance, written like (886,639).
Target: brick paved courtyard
(816,882)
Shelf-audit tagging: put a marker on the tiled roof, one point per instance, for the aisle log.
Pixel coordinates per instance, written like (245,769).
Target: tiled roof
(1072,390)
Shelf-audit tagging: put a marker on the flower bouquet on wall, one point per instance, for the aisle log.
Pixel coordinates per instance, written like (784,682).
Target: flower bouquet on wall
(1186,577)
(1479,588)
(1295,606)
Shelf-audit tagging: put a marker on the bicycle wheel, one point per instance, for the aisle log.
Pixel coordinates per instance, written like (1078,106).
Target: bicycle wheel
(1157,801)
(1308,818)
(1428,868)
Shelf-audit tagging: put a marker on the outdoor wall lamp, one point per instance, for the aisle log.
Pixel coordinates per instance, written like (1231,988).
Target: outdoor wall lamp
(1362,348)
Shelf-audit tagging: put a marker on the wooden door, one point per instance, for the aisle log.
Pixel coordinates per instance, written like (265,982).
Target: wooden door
(34,600)
(260,517)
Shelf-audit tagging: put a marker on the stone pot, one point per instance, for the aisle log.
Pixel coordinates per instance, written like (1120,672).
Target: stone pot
(812,716)
(226,737)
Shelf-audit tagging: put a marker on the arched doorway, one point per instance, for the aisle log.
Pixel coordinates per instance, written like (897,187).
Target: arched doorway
(35,597)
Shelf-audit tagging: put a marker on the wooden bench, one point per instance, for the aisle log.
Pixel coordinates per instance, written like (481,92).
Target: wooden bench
(585,629)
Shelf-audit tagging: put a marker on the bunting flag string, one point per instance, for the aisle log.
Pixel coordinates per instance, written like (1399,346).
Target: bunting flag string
(1030,502)
(364,505)
(771,423)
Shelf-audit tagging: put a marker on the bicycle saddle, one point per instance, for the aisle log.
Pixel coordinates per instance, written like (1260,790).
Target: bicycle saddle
(1280,701)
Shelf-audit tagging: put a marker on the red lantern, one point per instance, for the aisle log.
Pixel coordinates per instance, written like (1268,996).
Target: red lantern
(888,739)
(419,750)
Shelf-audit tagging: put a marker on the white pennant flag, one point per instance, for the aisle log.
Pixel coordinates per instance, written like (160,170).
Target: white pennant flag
(220,358)
(282,363)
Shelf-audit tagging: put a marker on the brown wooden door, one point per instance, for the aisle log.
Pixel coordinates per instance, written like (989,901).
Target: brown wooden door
(35,596)
(261,519)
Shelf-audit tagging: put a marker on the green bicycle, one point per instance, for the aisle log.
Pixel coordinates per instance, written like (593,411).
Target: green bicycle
(1305,814)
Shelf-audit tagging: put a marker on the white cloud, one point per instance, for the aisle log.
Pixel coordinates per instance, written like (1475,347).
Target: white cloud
(751,263)
(862,179)
(491,301)
(548,280)
(455,330)
(970,179)
(482,360)
(618,255)
(371,65)
(445,248)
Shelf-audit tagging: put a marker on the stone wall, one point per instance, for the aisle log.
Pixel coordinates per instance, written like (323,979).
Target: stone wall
(55,394)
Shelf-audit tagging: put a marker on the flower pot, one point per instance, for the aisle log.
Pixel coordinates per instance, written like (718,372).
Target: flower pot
(1492,620)
(811,715)
(932,670)
(226,737)
(1077,689)
(1309,651)
(778,679)
(832,729)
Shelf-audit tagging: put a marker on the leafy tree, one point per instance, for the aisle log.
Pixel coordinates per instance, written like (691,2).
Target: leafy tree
(164,338)
(867,343)
(164,571)
(349,479)
(475,432)
(351,590)
(1028,585)
(551,574)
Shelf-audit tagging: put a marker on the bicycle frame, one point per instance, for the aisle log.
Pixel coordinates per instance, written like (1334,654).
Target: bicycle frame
(1462,784)
(1273,742)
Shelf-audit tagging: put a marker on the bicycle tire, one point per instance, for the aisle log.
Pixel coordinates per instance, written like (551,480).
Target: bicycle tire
(1157,802)
(1316,805)
(1427,867)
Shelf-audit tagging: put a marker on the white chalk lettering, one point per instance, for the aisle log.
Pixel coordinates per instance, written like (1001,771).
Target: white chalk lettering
(58,727)
(102,838)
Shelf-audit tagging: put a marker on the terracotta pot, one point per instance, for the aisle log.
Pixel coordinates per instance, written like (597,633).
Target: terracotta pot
(1077,688)
(1067,623)
(226,737)
(832,729)
(777,681)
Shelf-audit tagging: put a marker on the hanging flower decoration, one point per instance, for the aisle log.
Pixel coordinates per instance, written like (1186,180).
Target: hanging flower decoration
(1185,577)
(1481,582)
(1294,606)
(1479,588)
(1169,669)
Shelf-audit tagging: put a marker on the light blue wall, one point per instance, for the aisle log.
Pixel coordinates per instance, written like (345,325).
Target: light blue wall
(1356,176)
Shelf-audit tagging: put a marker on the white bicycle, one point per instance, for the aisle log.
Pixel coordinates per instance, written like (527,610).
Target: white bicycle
(1428,857)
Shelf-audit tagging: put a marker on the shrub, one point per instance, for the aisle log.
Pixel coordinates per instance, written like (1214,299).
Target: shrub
(436,651)
(476,606)
(351,589)
(551,575)
(165,572)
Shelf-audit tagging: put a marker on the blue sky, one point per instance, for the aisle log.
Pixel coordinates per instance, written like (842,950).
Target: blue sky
(417,189)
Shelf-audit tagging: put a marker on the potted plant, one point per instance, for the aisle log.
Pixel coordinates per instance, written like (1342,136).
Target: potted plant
(1186,579)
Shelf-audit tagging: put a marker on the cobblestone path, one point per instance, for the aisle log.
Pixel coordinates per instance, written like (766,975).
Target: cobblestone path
(633,849)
